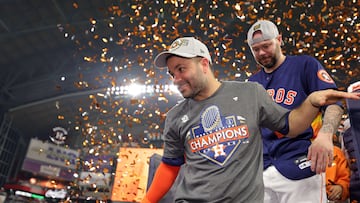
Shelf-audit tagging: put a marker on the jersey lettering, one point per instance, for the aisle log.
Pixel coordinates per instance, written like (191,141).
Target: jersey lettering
(271,92)
(290,97)
(281,96)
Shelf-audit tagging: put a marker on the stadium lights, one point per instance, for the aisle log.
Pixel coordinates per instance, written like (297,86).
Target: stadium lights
(137,89)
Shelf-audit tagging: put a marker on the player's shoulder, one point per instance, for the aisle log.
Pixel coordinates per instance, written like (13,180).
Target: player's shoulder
(301,58)
(240,84)
(178,107)
(303,63)
(241,87)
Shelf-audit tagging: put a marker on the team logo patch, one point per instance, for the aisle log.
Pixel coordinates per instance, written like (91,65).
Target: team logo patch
(217,137)
(324,76)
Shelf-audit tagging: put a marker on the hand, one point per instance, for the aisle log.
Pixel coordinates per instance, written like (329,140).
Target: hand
(320,152)
(329,96)
(334,192)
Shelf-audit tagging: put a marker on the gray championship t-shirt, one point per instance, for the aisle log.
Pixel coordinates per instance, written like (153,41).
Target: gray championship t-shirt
(221,141)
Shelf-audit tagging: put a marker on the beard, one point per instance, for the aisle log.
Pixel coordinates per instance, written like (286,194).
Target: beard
(268,62)
(194,86)
(193,91)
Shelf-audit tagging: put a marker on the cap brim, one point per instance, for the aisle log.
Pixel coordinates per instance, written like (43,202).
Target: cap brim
(160,59)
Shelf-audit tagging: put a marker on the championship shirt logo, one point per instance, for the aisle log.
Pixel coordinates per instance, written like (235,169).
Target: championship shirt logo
(216,137)
(324,76)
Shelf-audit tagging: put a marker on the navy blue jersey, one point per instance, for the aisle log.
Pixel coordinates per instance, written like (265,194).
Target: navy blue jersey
(289,85)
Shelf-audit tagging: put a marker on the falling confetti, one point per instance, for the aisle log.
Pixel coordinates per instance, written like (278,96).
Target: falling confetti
(124,44)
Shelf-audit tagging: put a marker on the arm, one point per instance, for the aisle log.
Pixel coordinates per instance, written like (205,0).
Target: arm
(323,141)
(301,118)
(331,121)
(164,177)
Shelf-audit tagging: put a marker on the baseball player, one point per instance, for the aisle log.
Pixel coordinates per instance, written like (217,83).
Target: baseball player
(290,171)
(214,133)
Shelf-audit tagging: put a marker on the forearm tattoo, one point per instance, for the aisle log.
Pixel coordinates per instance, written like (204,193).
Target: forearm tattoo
(331,119)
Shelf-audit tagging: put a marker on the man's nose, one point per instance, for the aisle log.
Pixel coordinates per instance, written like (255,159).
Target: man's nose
(261,52)
(176,78)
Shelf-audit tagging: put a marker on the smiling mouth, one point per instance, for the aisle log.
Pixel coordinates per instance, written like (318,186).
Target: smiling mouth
(182,87)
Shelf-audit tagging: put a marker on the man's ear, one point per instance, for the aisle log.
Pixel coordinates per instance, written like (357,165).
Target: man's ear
(205,64)
(279,38)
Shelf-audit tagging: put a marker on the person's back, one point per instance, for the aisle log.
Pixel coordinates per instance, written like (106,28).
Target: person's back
(351,138)
(289,80)
(353,150)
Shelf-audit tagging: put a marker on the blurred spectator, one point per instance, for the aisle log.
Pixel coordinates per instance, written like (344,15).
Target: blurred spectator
(338,178)
(344,125)
(351,150)
(351,138)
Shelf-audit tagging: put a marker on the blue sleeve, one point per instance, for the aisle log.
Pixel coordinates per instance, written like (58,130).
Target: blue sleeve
(174,161)
(317,78)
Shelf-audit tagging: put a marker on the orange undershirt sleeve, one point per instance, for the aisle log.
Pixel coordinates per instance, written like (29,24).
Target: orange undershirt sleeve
(164,177)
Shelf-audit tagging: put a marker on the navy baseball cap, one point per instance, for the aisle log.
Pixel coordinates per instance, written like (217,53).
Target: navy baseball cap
(267,28)
(187,47)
